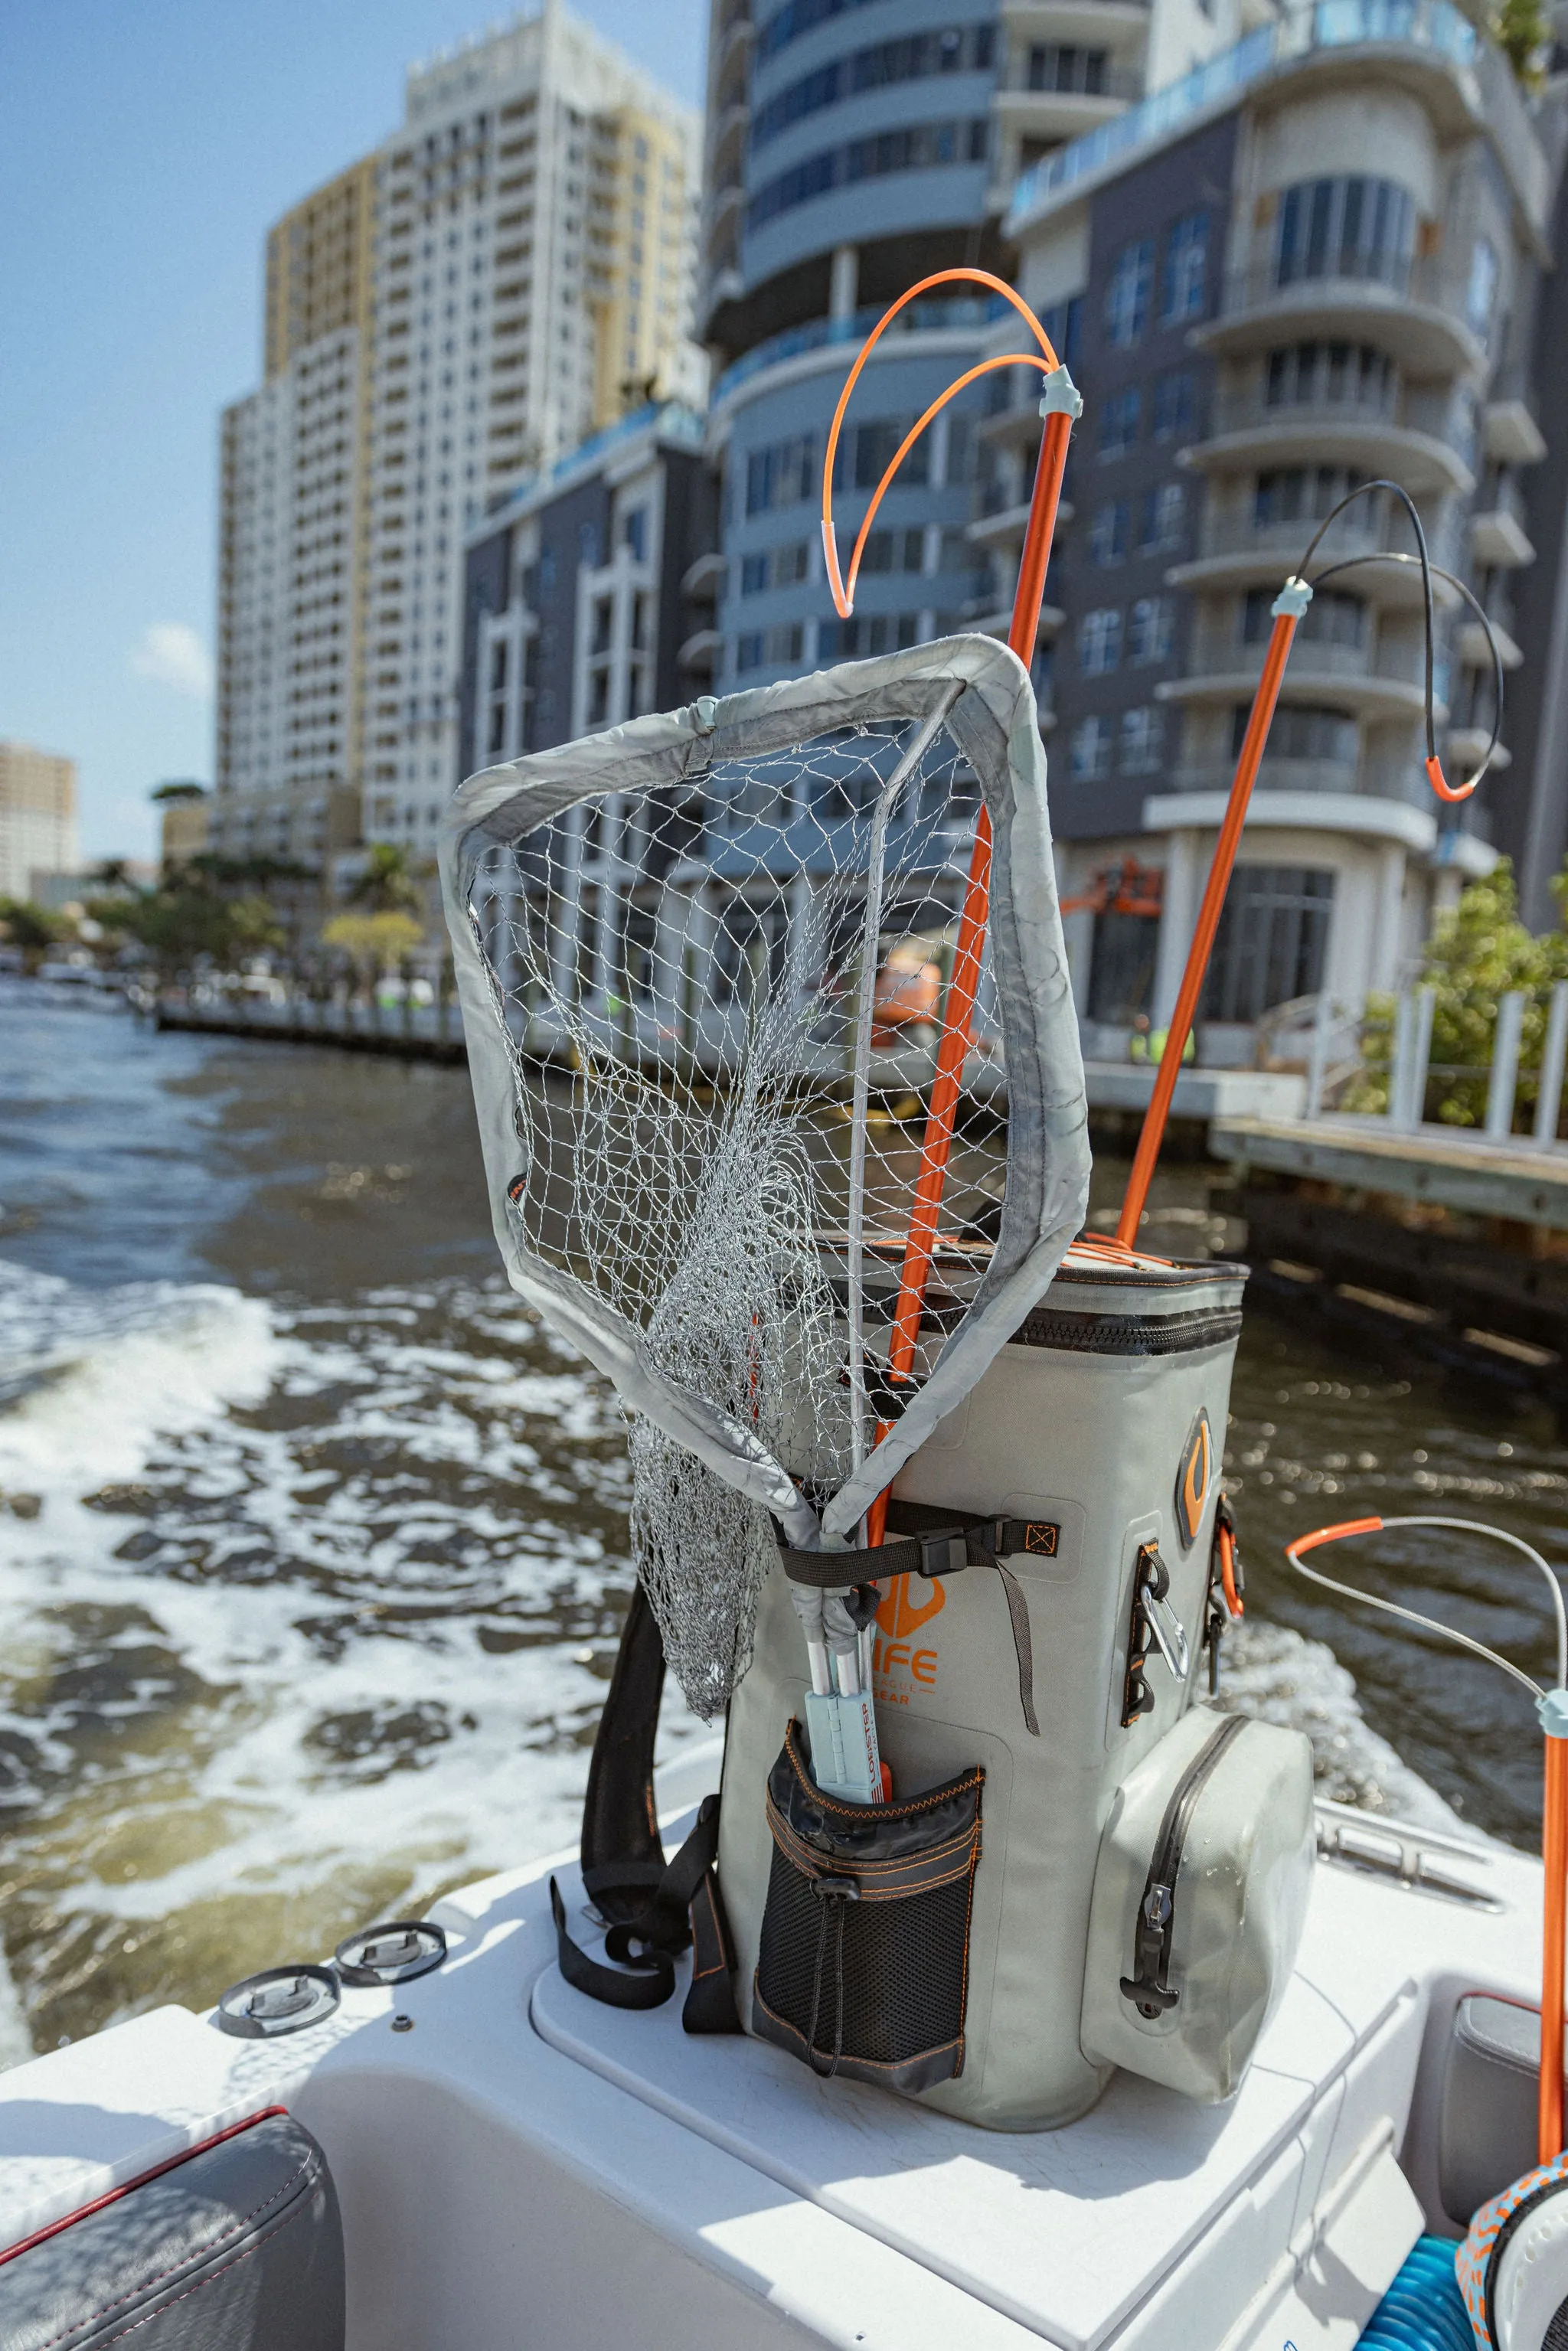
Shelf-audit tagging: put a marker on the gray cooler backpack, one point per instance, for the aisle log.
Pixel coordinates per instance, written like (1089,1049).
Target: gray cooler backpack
(701,961)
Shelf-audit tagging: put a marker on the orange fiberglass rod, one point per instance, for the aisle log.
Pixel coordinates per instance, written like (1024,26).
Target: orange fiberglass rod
(1061,406)
(1289,606)
(1552,1711)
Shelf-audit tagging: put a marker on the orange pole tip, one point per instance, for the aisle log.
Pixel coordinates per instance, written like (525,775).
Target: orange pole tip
(1331,1534)
(1441,786)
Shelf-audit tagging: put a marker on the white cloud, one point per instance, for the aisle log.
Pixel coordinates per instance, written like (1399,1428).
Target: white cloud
(173,654)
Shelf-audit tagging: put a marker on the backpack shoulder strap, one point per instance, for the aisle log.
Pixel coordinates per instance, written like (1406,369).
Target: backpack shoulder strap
(653,1908)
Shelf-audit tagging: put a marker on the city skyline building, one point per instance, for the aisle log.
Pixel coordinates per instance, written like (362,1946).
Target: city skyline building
(37,818)
(850,152)
(511,270)
(1315,263)
(589,591)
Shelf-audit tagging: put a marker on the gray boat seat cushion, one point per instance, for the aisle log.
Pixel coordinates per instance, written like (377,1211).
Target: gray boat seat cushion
(237,2248)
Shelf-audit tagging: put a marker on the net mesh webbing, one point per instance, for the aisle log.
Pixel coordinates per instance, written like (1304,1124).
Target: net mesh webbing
(717,997)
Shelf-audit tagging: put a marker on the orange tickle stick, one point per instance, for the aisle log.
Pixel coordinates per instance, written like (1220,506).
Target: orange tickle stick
(1555,1855)
(959,1015)
(1258,725)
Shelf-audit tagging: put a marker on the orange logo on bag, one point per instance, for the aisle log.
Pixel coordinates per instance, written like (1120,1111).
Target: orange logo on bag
(900,1614)
(1042,1537)
(1192,1480)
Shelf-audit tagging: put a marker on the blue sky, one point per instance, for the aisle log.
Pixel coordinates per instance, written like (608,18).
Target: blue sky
(143,151)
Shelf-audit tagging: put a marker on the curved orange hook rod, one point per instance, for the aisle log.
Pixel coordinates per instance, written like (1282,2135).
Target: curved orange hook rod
(1555,1856)
(1441,786)
(842,598)
(843,590)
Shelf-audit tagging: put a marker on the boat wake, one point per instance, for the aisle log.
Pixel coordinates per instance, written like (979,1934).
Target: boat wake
(307,1613)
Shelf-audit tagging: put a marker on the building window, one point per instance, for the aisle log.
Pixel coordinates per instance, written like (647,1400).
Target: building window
(867,633)
(1100,642)
(1306,494)
(498,666)
(918,146)
(1061,323)
(1331,375)
(1108,533)
(1063,66)
(1119,422)
(1127,293)
(1090,749)
(912,57)
(1272,941)
(1351,227)
(866,451)
(634,530)
(1184,283)
(1482,293)
(1160,519)
(893,551)
(1150,630)
(1122,966)
(603,621)
(772,648)
(1143,731)
(1333,618)
(781,476)
(1174,406)
(1304,731)
(753,574)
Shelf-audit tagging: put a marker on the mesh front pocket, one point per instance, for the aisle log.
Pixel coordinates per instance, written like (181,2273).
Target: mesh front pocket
(862,1967)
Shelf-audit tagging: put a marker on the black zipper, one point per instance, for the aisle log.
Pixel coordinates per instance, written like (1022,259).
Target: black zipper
(1146,1988)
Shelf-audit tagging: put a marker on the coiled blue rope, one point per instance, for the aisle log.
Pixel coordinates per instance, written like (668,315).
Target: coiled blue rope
(1422,2310)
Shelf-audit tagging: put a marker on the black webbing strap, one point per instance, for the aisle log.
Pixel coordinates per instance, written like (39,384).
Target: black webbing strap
(645,1946)
(651,1908)
(938,1545)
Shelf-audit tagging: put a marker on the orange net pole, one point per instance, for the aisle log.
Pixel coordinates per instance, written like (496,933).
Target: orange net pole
(958,1016)
(1154,1127)
(959,1013)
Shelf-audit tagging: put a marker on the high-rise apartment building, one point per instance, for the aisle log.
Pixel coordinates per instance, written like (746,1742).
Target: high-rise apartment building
(37,818)
(514,273)
(849,151)
(292,538)
(1315,263)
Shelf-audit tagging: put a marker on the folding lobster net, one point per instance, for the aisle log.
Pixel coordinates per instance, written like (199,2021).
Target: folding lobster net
(701,958)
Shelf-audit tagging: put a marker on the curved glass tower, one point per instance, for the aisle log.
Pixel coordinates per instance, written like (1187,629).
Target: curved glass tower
(851,151)
(853,148)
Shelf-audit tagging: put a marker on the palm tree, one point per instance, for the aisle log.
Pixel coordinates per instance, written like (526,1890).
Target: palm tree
(390,882)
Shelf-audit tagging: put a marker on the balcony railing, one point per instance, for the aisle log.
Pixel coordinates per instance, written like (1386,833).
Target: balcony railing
(1243,411)
(1119,83)
(931,317)
(1355,533)
(1339,277)
(1273,776)
(1224,654)
(1431,24)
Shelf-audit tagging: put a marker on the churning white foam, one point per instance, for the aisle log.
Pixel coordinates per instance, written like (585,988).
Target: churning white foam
(95,1378)
(346,1575)
(1280,1676)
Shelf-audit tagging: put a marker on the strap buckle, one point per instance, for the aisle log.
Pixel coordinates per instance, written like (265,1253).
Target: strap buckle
(942,1553)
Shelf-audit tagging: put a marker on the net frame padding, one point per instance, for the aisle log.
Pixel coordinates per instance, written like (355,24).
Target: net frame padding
(993,723)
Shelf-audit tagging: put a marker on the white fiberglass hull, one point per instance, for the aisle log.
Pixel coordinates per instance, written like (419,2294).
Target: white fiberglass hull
(518,2165)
